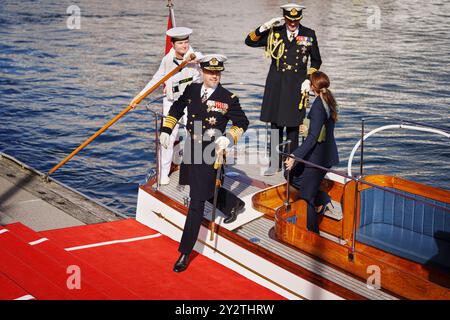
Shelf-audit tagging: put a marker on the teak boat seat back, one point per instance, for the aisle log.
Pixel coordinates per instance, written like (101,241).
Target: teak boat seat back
(269,200)
(407,228)
(407,239)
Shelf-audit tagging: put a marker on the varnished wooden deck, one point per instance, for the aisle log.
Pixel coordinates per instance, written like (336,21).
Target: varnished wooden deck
(258,231)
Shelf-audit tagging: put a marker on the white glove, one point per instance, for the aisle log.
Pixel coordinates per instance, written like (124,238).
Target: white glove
(275,22)
(164,139)
(306,86)
(222,143)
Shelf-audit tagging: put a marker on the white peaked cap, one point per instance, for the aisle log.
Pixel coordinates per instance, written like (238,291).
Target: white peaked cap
(179,32)
(291,6)
(213,62)
(209,57)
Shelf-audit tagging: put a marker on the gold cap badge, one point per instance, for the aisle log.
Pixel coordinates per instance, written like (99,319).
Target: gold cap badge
(214,62)
(294,12)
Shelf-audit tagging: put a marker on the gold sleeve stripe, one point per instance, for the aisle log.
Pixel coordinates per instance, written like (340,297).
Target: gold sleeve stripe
(311,70)
(170,122)
(172,119)
(253,36)
(168,125)
(236,133)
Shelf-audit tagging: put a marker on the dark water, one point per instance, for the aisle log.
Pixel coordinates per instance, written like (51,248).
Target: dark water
(58,86)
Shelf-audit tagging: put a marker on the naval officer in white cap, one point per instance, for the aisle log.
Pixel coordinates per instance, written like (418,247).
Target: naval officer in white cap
(174,86)
(291,47)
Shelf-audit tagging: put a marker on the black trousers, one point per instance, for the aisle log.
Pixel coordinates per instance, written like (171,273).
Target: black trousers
(292,134)
(192,226)
(307,181)
(226,201)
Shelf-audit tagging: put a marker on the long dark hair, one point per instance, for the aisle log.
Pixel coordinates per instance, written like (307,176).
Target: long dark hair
(320,84)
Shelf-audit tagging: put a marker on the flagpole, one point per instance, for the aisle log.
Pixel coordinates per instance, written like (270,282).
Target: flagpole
(171,12)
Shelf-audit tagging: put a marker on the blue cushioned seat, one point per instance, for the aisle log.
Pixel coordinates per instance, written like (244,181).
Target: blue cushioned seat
(405,243)
(404,227)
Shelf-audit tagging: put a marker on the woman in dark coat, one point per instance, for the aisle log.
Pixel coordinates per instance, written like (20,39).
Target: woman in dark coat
(319,148)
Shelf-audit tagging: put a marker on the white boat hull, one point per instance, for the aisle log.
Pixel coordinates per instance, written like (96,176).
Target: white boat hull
(221,250)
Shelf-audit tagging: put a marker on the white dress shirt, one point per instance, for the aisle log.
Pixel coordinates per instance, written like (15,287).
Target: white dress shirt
(289,33)
(209,91)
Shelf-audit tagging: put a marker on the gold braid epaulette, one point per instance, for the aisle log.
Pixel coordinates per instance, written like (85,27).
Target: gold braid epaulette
(253,36)
(311,71)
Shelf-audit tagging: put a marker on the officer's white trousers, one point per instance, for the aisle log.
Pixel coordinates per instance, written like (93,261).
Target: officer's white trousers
(167,155)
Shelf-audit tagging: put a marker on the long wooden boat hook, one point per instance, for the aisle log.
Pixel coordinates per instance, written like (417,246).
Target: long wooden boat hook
(136,100)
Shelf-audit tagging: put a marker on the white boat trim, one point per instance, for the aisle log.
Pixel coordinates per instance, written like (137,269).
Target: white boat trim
(256,268)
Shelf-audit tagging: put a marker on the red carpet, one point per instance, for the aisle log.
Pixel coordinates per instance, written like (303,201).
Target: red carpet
(134,270)
(9,289)
(101,281)
(48,268)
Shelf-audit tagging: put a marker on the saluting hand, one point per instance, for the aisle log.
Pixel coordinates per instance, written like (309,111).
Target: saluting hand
(275,22)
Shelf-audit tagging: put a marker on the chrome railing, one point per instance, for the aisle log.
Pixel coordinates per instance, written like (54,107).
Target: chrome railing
(287,143)
(403,124)
(158,116)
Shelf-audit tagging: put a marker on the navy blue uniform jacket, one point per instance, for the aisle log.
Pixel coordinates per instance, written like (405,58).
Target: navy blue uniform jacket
(324,153)
(282,93)
(215,113)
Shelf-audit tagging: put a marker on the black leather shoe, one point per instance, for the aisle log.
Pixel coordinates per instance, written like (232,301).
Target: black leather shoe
(182,263)
(326,207)
(234,213)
